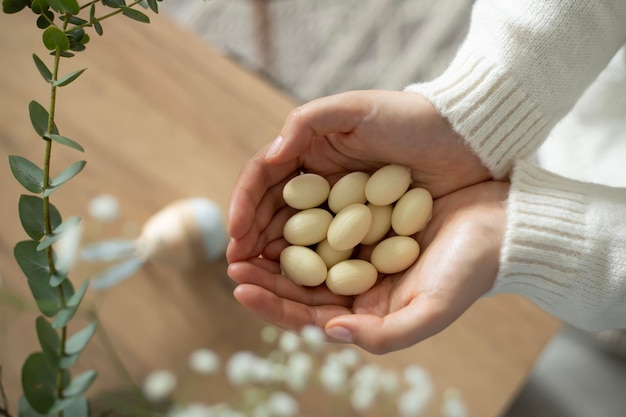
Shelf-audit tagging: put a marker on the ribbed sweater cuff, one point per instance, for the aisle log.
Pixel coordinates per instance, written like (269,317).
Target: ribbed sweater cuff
(564,248)
(487,108)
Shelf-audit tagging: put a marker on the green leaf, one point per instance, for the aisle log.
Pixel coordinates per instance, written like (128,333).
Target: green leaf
(27,173)
(49,342)
(68,78)
(79,341)
(70,6)
(98,27)
(64,141)
(45,19)
(39,383)
(39,6)
(57,233)
(66,314)
(114,3)
(13,6)
(75,20)
(25,410)
(154,6)
(67,174)
(39,117)
(54,38)
(31,215)
(135,15)
(79,408)
(56,280)
(43,69)
(80,384)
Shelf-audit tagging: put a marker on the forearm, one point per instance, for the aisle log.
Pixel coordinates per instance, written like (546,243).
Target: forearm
(565,248)
(521,68)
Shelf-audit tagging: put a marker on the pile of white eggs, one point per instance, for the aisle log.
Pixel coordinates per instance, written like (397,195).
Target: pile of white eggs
(380,210)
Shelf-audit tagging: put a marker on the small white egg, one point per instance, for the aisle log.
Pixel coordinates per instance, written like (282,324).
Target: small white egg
(395,254)
(351,277)
(349,189)
(306,191)
(307,227)
(303,266)
(388,184)
(381,223)
(330,255)
(349,227)
(412,212)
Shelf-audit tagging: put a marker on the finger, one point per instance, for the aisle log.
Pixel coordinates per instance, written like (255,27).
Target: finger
(285,313)
(417,321)
(266,274)
(249,192)
(340,113)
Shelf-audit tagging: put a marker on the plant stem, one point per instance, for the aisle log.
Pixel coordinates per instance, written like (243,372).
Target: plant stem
(100,19)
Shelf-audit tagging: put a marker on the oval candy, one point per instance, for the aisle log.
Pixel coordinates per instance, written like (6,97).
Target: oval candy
(303,266)
(331,256)
(349,227)
(395,254)
(349,189)
(307,227)
(351,277)
(387,184)
(381,223)
(306,191)
(412,212)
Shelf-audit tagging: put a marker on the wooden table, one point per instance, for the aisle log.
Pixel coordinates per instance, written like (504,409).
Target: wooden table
(162,116)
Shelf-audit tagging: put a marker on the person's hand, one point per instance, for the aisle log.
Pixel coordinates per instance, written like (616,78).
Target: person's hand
(332,136)
(458,264)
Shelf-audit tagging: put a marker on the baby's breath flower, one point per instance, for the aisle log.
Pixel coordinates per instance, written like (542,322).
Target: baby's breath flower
(348,357)
(288,342)
(204,361)
(238,368)
(191,410)
(333,376)
(362,397)
(418,378)
(314,337)
(158,385)
(104,208)
(366,376)
(269,334)
(453,406)
(282,404)
(298,372)
(389,381)
(413,402)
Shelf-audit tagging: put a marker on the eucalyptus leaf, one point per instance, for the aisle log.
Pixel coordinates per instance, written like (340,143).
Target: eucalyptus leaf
(13,6)
(70,6)
(75,20)
(34,263)
(114,3)
(67,174)
(68,78)
(57,5)
(79,341)
(80,384)
(43,70)
(39,383)
(30,209)
(49,342)
(98,27)
(57,279)
(135,15)
(154,6)
(39,6)
(45,19)
(55,39)
(39,117)
(26,173)
(25,410)
(65,141)
(66,314)
(58,232)
(72,406)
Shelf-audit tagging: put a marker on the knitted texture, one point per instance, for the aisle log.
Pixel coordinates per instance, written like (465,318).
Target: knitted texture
(521,68)
(564,248)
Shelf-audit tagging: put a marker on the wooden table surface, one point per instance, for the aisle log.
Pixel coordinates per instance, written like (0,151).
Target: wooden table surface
(163,116)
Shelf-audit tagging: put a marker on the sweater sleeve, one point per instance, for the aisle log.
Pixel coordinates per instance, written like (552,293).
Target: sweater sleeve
(564,248)
(520,69)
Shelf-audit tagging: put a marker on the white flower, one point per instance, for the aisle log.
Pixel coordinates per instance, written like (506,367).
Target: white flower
(418,378)
(289,342)
(239,367)
(282,404)
(453,406)
(333,376)
(367,376)
(348,357)
(362,397)
(299,368)
(104,208)
(313,336)
(158,385)
(269,334)
(191,410)
(204,361)
(413,402)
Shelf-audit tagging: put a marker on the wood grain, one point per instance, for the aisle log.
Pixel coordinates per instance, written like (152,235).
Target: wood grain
(162,116)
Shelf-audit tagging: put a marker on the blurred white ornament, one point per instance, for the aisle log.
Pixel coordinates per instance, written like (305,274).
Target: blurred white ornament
(104,208)
(158,385)
(204,361)
(182,235)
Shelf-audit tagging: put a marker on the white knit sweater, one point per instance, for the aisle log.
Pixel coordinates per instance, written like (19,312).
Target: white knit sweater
(522,76)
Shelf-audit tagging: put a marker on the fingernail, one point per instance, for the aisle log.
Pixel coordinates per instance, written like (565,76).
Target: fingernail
(274,147)
(340,333)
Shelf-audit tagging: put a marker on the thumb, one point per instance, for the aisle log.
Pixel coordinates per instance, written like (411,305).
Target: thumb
(339,113)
